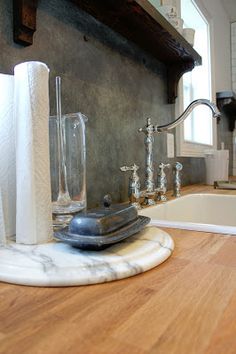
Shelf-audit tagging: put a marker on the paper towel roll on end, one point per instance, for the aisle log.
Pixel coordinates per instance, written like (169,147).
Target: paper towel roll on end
(34,213)
(2,223)
(7,154)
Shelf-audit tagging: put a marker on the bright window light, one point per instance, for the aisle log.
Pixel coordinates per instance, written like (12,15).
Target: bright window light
(198,127)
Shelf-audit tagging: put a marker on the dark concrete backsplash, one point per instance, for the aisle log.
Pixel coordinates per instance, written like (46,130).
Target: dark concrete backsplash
(108,79)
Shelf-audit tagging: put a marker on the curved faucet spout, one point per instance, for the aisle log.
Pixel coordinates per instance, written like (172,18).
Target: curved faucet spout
(184,115)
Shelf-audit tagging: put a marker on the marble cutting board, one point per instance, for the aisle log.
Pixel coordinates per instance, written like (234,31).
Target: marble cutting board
(58,264)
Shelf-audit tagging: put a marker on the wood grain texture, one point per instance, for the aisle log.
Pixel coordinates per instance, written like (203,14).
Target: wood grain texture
(185,305)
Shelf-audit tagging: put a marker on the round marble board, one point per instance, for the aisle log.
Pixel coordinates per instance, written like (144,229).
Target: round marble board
(58,264)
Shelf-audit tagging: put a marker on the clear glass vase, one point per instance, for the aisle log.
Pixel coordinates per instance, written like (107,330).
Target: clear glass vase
(68,164)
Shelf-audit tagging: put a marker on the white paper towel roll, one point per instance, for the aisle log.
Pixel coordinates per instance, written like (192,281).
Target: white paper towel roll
(2,223)
(34,213)
(7,153)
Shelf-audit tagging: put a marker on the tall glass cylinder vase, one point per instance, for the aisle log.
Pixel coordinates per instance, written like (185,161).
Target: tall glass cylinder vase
(68,164)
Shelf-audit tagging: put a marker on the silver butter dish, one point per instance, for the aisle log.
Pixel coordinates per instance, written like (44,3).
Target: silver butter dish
(103,220)
(99,242)
(101,227)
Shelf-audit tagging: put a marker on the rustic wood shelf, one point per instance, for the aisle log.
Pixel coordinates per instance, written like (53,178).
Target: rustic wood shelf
(137,21)
(24,21)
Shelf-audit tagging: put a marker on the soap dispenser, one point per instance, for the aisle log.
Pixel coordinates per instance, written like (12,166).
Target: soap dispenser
(134,185)
(177,179)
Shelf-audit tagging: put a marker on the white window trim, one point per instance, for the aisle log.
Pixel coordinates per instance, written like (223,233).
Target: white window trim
(191,149)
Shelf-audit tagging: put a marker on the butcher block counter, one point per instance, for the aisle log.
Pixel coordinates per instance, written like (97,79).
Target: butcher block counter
(185,305)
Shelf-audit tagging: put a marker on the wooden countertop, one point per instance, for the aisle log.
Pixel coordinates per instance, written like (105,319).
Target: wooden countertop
(185,305)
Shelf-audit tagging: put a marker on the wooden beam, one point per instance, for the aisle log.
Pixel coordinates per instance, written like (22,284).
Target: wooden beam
(24,21)
(174,73)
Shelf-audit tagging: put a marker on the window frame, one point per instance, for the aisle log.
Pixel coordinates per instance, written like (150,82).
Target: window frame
(187,148)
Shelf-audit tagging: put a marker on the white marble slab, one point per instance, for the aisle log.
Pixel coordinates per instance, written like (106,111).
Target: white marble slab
(58,264)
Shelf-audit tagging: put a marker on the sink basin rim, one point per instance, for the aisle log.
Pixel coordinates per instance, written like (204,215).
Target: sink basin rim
(188,225)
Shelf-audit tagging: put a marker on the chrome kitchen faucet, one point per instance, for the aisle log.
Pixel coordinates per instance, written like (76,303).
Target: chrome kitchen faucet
(149,131)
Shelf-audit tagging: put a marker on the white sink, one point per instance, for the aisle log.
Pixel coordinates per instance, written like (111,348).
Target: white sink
(200,212)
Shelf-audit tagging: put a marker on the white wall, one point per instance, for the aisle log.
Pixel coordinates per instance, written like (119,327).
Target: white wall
(221,44)
(233,53)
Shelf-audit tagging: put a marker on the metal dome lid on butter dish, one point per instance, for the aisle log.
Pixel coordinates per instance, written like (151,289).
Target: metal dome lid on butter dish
(99,228)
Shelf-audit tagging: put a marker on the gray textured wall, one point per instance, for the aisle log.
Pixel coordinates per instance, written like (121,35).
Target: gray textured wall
(110,80)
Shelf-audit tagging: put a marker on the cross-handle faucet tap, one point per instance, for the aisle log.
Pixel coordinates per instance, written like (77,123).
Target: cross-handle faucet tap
(134,185)
(162,182)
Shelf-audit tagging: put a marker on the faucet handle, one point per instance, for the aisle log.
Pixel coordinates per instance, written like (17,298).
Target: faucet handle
(178,166)
(134,168)
(149,127)
(162,166)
